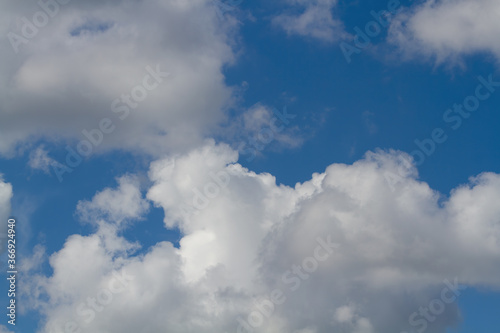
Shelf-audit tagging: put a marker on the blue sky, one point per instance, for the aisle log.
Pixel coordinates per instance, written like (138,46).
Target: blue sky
(206,193)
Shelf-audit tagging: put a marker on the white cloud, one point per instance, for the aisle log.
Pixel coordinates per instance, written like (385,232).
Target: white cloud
(115,206)
(448,30)
(40,160)
(5,211)
(33,262)
(64,80)
(315,20)
(396,247)
(5,197)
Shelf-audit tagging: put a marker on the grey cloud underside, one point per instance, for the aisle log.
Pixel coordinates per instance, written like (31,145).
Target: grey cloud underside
(60,83)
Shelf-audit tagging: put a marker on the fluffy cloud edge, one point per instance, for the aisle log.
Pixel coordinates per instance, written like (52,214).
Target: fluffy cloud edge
(447,30)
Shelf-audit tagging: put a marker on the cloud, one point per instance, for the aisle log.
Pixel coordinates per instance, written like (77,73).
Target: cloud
(5,198)
(39,160)
(260,128)
(5,211)
(315,20)
(448,30)
(115,206)
(387,251)
(4,329)
(33,262)
(97,60)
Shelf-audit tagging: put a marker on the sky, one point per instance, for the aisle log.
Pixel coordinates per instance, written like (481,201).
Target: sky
(304,166)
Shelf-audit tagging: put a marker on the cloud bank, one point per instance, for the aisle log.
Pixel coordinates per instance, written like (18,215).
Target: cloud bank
(345,251)
(67,65)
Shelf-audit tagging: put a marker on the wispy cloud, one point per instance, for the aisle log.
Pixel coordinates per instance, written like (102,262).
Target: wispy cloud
(316,19)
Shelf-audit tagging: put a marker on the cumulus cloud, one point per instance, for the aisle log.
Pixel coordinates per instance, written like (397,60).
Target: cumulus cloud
(115,206)
(314,19)
(91,60)
(448,30)
(344,251)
